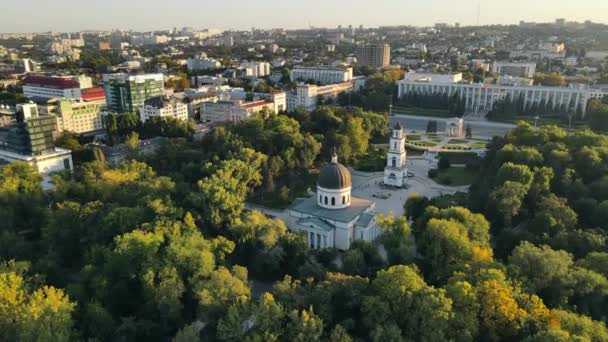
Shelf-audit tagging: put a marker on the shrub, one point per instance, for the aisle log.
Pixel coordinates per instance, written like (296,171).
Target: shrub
(444,163)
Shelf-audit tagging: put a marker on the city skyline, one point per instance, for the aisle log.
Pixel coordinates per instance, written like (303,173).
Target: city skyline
(155,14)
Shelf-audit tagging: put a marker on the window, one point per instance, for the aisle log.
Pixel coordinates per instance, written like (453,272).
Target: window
(343,199)
(395,146)
(394,162)
(312,240)
(320,198)
(318,240)
(325,200)
(333,201)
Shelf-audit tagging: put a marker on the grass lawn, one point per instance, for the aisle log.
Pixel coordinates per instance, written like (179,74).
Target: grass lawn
(442,113)
(436,138)
(412,152)
(479,145)
(457,141)
(422,143)
(458,157)
(413,137)
(455,176)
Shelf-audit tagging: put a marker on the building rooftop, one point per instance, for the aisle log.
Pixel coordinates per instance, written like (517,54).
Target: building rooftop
(51,82)
(93,94)
(309,206)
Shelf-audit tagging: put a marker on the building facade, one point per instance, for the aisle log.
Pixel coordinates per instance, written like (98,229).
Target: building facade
(395,172)
(202,62)
(127,93)
(30,139)
(47,87)
(164,107)
(375,56)
(480,98)
(333,218)
(74,116)
(256,69)
(526,70)
(322,74)
(308,96)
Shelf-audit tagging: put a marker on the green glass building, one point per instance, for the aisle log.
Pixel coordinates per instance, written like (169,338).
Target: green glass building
(31,134)
(127,93)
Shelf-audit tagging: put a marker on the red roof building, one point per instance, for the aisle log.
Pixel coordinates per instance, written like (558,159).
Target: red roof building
(95,94)
(50,82)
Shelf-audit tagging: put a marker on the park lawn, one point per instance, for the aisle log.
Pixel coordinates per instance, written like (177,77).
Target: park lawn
(422,143)
(479,145)
(413,137)
(459,157)
(413,152)
(441,113)
(455,176)
(457,141)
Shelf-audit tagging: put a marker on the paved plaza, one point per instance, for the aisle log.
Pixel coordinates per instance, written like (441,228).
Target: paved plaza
(388,201)
(369,186)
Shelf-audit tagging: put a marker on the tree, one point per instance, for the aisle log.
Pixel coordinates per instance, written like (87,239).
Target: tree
(42,315)
(357,136)
(303,326)
(415,205)
(133,141)
(541,269)
(444,163)
(401,290)
(397,239)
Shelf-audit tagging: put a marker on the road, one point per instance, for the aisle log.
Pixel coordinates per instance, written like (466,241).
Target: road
(480,128)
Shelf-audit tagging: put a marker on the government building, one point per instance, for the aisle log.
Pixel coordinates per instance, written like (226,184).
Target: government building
(480,97)
(333,218)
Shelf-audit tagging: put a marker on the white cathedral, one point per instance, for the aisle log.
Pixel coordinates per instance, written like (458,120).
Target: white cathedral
(334,218)
(395,173)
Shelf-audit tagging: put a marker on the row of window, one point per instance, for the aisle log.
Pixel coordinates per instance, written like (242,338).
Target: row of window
(326,200)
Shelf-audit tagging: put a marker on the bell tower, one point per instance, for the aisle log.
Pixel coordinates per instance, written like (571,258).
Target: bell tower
(395,173)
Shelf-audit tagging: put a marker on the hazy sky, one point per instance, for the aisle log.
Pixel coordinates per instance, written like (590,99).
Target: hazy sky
(74,15)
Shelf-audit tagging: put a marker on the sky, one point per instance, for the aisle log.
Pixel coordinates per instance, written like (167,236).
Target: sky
(144,15)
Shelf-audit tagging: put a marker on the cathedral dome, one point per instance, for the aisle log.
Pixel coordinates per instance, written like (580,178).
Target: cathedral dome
(334,176)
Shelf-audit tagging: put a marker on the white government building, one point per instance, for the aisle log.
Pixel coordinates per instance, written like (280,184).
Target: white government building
(395,173)
(333,218)
(322,74)
(480,98)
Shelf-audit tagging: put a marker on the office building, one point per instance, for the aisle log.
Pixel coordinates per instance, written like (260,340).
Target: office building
(375,56)
(202,62)
(256,69)
(127,93)
(74,116)
(30,139)
(236,109)
(308,96)
(480,98)
(47,87)
(526,70)
(163,107)
(322,74)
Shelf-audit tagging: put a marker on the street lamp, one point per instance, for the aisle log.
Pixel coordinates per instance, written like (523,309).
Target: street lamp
(536,120)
